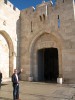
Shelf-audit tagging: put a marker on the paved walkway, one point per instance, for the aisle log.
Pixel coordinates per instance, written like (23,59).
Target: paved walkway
(39,91)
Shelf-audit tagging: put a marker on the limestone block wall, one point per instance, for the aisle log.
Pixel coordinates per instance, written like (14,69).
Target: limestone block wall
(44,19)
(9,23)
(4,57)
(67,31)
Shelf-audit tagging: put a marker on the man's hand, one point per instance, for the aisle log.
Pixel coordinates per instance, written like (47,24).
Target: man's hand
(22,70)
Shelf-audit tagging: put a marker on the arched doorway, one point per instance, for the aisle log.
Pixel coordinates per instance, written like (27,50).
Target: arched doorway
(48,66)
(4,57)
(7,50)
(44,47)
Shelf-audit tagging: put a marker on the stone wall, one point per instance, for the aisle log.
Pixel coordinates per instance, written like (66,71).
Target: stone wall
(23,33)
(9,23)
(44,19)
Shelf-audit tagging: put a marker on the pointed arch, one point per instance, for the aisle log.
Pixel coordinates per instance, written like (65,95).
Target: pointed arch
(11,50)
(57,43)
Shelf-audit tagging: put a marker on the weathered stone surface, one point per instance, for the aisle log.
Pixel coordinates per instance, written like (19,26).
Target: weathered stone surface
(46,34)
(29,30)
(9,31)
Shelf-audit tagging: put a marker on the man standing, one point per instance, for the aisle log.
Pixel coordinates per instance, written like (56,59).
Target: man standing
(15,81)
(0,79)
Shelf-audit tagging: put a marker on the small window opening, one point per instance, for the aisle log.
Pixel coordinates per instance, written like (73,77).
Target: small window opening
(40,18)
(5,1)
(58,22)
(58,16)
(44,16)
(31,27)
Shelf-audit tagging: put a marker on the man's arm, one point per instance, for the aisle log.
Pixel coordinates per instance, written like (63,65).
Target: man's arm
(20,71)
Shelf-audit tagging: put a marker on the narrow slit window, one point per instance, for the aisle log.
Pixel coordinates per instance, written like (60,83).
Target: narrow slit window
(40,18)
(58,16)
(31,27)
(58,22)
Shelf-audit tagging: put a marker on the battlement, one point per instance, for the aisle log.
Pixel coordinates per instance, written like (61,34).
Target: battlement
(57,3)
(45,6)
(9,4)
(29,10)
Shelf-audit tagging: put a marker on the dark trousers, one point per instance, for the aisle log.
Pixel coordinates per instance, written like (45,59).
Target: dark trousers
(16,92)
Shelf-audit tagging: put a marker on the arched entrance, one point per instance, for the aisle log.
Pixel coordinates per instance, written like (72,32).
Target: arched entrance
(7,51)
(4,57)
(46,55)
(48,67)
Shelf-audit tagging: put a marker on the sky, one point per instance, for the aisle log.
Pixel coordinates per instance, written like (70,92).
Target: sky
(22,4)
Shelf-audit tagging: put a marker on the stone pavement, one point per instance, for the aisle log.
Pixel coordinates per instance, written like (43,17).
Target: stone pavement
(39,91)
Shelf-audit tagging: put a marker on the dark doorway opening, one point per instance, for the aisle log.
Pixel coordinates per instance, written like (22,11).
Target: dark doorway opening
(48,67)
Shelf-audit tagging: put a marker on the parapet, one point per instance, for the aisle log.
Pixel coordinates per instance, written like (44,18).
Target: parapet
(45,7)
(63,1)
(28,11)
(8,3)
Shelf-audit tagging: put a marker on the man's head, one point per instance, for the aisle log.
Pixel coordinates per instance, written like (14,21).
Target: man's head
(15,71)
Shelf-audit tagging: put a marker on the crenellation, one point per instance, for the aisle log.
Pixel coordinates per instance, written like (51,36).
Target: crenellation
(9,4)
(46,9)
(28,11)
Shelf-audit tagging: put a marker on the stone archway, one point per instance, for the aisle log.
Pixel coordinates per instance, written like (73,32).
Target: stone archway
(45,40)
(11,50)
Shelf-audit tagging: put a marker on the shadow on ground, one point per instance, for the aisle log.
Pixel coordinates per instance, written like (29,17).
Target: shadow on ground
(3,84)
(2,98)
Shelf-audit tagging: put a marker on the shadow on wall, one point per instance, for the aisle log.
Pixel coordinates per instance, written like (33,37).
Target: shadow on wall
(18,27)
